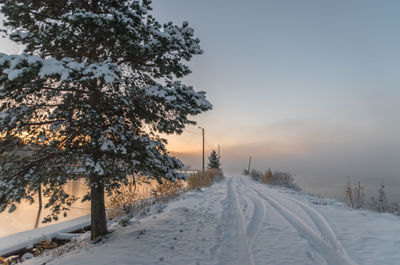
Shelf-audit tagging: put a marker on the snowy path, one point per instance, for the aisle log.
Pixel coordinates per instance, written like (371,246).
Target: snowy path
(243,222)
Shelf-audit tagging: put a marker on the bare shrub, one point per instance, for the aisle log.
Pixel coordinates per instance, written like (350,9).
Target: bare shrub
(255,174)
(267,176)
(284,179)
(354,195)
(349,195)
(380,203)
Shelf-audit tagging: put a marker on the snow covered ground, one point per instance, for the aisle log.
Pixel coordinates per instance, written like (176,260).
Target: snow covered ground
(239,221)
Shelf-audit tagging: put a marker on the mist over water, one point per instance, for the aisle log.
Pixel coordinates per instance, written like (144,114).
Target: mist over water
(321,172)
(309,87)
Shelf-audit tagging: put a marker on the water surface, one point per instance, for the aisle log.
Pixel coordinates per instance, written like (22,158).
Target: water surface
(25,217)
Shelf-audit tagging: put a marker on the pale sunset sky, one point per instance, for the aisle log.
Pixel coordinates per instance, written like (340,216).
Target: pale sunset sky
(311,87)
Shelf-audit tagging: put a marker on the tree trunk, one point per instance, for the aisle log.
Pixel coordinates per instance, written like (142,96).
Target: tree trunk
(98,212)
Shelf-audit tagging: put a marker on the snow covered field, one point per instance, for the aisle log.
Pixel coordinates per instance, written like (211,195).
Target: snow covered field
(239,221)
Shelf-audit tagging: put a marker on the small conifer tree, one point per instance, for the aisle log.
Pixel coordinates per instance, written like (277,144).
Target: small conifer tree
(214,161)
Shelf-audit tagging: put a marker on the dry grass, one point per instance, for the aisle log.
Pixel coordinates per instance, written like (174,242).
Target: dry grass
(42,246)
(128,194)
(3,260)
(355,195)
(205,179)
(134,197)
(267,177)
(277,178)
(169,190)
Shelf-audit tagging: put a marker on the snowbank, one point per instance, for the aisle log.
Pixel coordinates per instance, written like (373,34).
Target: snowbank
(26,239)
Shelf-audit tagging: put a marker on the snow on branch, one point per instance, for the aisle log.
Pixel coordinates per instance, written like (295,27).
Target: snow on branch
(179,95)
(15,66)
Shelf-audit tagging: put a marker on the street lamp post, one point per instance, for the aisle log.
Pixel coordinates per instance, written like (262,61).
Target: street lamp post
(202,133)
(219,147)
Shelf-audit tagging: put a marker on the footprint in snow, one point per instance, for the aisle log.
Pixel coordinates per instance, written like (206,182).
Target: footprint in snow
(310,255)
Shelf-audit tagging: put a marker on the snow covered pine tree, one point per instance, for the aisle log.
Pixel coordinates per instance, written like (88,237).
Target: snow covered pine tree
(214,161)
(94,88)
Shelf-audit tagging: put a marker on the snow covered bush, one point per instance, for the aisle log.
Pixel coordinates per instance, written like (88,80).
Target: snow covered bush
(381,204)
(96,85)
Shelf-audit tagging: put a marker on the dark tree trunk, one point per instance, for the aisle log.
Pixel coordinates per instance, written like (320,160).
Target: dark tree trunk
(98,212)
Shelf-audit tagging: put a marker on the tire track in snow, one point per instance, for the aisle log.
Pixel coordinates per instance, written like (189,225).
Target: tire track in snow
(258,217)
(331,254)
(322,225)
(246,204)
(236,203)
(236,250)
